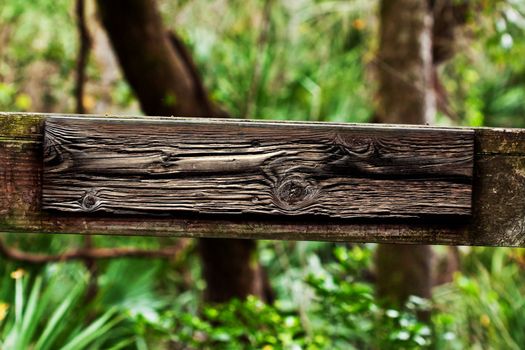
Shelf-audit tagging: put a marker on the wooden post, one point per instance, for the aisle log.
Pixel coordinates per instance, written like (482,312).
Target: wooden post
(272,180)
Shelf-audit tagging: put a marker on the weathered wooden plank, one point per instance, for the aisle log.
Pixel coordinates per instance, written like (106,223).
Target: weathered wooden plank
(158,167)
(498,207)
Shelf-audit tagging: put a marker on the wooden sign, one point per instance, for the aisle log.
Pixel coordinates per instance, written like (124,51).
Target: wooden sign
(231,167)
(261,180)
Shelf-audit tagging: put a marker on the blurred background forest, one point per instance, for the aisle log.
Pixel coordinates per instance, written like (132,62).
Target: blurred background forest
(313,60)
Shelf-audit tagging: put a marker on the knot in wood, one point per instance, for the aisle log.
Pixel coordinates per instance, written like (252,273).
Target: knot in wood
(365,146)
(166,158)
(295,192)
(89,201)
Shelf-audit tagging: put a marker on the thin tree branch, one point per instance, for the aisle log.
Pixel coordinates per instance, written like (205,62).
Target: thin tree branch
(83,52)
(93,253)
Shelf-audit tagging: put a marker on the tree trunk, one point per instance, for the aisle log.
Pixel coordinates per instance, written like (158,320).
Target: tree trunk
(405,96)
(235,273)
(166,83)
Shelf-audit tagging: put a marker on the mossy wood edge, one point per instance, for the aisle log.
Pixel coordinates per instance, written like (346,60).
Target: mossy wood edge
(497,213)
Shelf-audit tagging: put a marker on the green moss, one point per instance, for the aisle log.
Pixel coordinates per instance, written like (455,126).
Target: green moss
(20,124)
(7,223)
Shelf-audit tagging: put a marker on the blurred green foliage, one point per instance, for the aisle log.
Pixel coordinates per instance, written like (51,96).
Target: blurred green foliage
(138,306)
(486,300)
(35,33)
(295,60)
(485,81)
(342,314)
(132,311)
(302,60)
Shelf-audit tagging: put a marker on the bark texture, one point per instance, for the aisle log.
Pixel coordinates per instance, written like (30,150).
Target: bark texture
(405,96)
(165,81)
(405,63)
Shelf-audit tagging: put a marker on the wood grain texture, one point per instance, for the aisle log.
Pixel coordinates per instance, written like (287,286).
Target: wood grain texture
(227,167)
(498,205)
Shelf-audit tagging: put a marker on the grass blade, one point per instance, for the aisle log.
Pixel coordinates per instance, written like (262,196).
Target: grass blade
(52,329)
(94,330)
(29,317)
